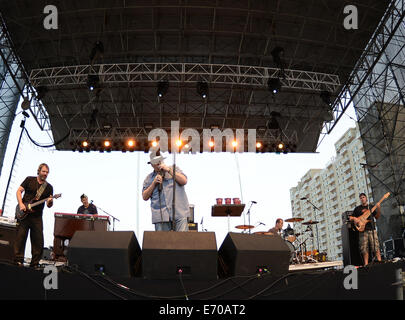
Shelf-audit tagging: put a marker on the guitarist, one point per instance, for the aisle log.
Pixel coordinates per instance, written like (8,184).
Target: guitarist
(368,239)
(31,187)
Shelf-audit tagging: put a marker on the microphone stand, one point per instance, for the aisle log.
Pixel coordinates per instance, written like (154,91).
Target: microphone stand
(114,218)
(174,193)
(248,212)
(22,126)
(317,235)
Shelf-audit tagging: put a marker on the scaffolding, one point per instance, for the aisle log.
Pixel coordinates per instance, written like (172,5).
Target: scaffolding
(377,87)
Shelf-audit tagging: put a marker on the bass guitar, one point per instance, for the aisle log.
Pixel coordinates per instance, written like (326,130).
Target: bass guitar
(360,224)
(20,215)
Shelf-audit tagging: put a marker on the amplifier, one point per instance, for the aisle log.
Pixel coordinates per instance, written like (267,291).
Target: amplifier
(394,248)
(8,234)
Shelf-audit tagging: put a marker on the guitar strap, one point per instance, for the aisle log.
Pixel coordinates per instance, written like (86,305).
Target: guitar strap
(41,190)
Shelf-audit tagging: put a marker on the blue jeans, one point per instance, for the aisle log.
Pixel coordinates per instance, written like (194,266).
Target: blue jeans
(181,225)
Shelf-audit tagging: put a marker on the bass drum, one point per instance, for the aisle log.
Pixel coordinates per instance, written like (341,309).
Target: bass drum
(292,250)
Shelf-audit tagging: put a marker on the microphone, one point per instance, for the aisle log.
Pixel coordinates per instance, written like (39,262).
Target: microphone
(162,173)
(254,202)
(261,223)
(91,201)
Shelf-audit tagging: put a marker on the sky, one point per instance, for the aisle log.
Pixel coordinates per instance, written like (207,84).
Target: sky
(113,181)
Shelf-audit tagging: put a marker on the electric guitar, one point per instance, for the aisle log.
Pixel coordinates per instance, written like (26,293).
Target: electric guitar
(363,219)
(20,215)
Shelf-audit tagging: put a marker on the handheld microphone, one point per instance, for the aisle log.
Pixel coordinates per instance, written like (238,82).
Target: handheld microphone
(160,187)
(91,201)
(254,202)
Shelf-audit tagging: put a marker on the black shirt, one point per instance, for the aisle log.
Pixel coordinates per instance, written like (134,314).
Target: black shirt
(31,186)
(359,210)
(91,209)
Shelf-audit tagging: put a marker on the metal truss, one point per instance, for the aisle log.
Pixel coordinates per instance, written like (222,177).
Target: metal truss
(197,139)
(20,79)
(184,73)
(377,90)
(382,37)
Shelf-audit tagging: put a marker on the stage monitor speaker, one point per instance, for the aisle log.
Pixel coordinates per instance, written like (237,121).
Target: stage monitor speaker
(244,254)
(169,254)
(116,253)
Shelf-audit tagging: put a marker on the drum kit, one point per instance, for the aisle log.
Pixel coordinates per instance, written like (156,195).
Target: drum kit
(295,241)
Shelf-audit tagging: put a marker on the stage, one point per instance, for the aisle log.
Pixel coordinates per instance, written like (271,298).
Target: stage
(325,281)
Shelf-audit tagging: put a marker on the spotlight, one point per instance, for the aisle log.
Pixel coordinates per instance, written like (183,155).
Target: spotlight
(274,85)
(85,144)
(211,143)
(258,145)
(98,49)
(179,143)
(162,88)
(107,144)
(25,114)
(325,96)
(277,53)
(92,81)
(131,143)
(154,143)
(41,92)
(234,143)
(273,123)
(202,89)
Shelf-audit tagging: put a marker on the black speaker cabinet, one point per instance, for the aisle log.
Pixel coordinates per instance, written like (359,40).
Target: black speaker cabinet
(350,244)
(116,253)
(8,234)
(169,254)
(247,254)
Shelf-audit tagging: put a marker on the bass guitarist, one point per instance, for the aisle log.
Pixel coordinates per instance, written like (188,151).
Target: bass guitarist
(34,189)
(368,239)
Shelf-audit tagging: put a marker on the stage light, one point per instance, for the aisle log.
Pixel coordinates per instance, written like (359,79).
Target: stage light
(258,145)
(234,143)
(274,85)
(98,49)
(325,96)
(211,143)
(41,92)
(85,144)
(107,143)
(131,143)
(179,143)
(280,146)
(202,89)
(277,53)
(162,88)
(154,143)
(92,81)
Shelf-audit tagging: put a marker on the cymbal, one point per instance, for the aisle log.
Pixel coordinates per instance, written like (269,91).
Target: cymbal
(310,222)
(264,232)
(294,219)
(244,227)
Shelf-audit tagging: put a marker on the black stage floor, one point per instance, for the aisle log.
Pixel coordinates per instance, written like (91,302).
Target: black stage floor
(376,282)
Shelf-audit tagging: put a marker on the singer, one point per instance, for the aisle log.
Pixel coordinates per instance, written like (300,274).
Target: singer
(158,186)
(86,208)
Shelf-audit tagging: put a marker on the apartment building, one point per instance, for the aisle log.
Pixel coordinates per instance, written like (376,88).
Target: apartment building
(323,195)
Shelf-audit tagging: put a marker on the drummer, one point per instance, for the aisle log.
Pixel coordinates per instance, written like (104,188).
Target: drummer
(277,229)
